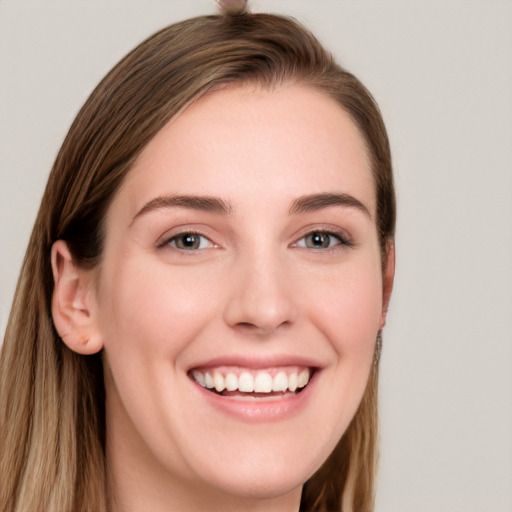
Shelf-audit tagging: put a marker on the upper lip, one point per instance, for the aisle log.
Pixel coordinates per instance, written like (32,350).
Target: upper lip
(259,362)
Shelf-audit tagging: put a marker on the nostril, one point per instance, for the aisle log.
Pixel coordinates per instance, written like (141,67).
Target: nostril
(248,328)
(260,329)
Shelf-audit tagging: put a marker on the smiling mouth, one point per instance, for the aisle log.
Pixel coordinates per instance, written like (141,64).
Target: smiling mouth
(248,384)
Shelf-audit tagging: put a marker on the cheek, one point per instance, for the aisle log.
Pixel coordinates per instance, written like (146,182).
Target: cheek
(150,317)
(152,307)
(347,308)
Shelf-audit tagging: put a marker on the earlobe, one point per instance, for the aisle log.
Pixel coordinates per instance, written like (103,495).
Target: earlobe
(388,277)
(73,303)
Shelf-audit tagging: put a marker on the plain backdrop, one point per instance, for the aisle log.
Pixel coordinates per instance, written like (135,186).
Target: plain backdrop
(442,74)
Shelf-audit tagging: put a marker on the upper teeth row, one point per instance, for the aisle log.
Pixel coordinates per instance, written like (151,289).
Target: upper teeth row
(247,383)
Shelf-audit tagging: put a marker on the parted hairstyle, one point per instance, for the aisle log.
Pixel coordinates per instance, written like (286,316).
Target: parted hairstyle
(52,400)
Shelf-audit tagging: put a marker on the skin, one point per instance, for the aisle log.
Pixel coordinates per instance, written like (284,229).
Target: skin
(256,288)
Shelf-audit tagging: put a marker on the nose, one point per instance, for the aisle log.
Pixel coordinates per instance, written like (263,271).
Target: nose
(261,299)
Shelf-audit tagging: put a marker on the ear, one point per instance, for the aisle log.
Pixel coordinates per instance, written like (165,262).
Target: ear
(74,303)
(388,277)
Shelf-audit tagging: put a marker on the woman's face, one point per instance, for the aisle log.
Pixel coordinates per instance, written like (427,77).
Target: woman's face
(240,252)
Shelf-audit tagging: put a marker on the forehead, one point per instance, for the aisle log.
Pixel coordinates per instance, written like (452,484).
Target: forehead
(277,144)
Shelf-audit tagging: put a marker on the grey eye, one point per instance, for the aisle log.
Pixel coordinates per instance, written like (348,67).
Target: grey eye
(189,241)
(320,240)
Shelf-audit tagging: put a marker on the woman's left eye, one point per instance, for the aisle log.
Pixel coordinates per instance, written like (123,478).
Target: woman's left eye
(189,242)
(321,240)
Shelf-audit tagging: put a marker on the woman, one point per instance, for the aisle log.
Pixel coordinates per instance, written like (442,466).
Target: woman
(197,321)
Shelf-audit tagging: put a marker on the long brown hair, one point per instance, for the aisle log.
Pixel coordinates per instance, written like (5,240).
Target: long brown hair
(52,421)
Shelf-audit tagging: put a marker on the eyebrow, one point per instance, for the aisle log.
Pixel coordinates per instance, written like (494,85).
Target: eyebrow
(201,203)
(304,204)
(316,202)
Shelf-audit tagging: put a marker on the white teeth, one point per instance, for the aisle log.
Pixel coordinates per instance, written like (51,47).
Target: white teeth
(292,381)
(246,382)
(199,377)
(218,381)
(231,382)
(303,378)
(280,382)
(262,382)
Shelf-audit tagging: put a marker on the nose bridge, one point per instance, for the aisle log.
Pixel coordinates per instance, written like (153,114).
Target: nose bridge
(261,298)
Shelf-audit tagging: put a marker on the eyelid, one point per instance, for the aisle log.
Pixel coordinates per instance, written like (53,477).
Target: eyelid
(165,240)
(344,239)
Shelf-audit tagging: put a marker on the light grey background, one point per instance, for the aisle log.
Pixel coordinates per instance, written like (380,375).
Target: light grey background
(442,73)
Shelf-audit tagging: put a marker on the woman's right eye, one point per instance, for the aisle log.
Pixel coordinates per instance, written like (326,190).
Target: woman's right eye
(189,242)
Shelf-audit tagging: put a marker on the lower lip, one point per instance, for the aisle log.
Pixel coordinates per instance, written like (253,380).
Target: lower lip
(259,410)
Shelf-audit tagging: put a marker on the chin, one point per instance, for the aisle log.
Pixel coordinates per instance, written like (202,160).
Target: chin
(269,471)
(260,485)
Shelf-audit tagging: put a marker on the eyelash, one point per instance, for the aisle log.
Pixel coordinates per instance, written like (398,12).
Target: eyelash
(172,241)
(342,240)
